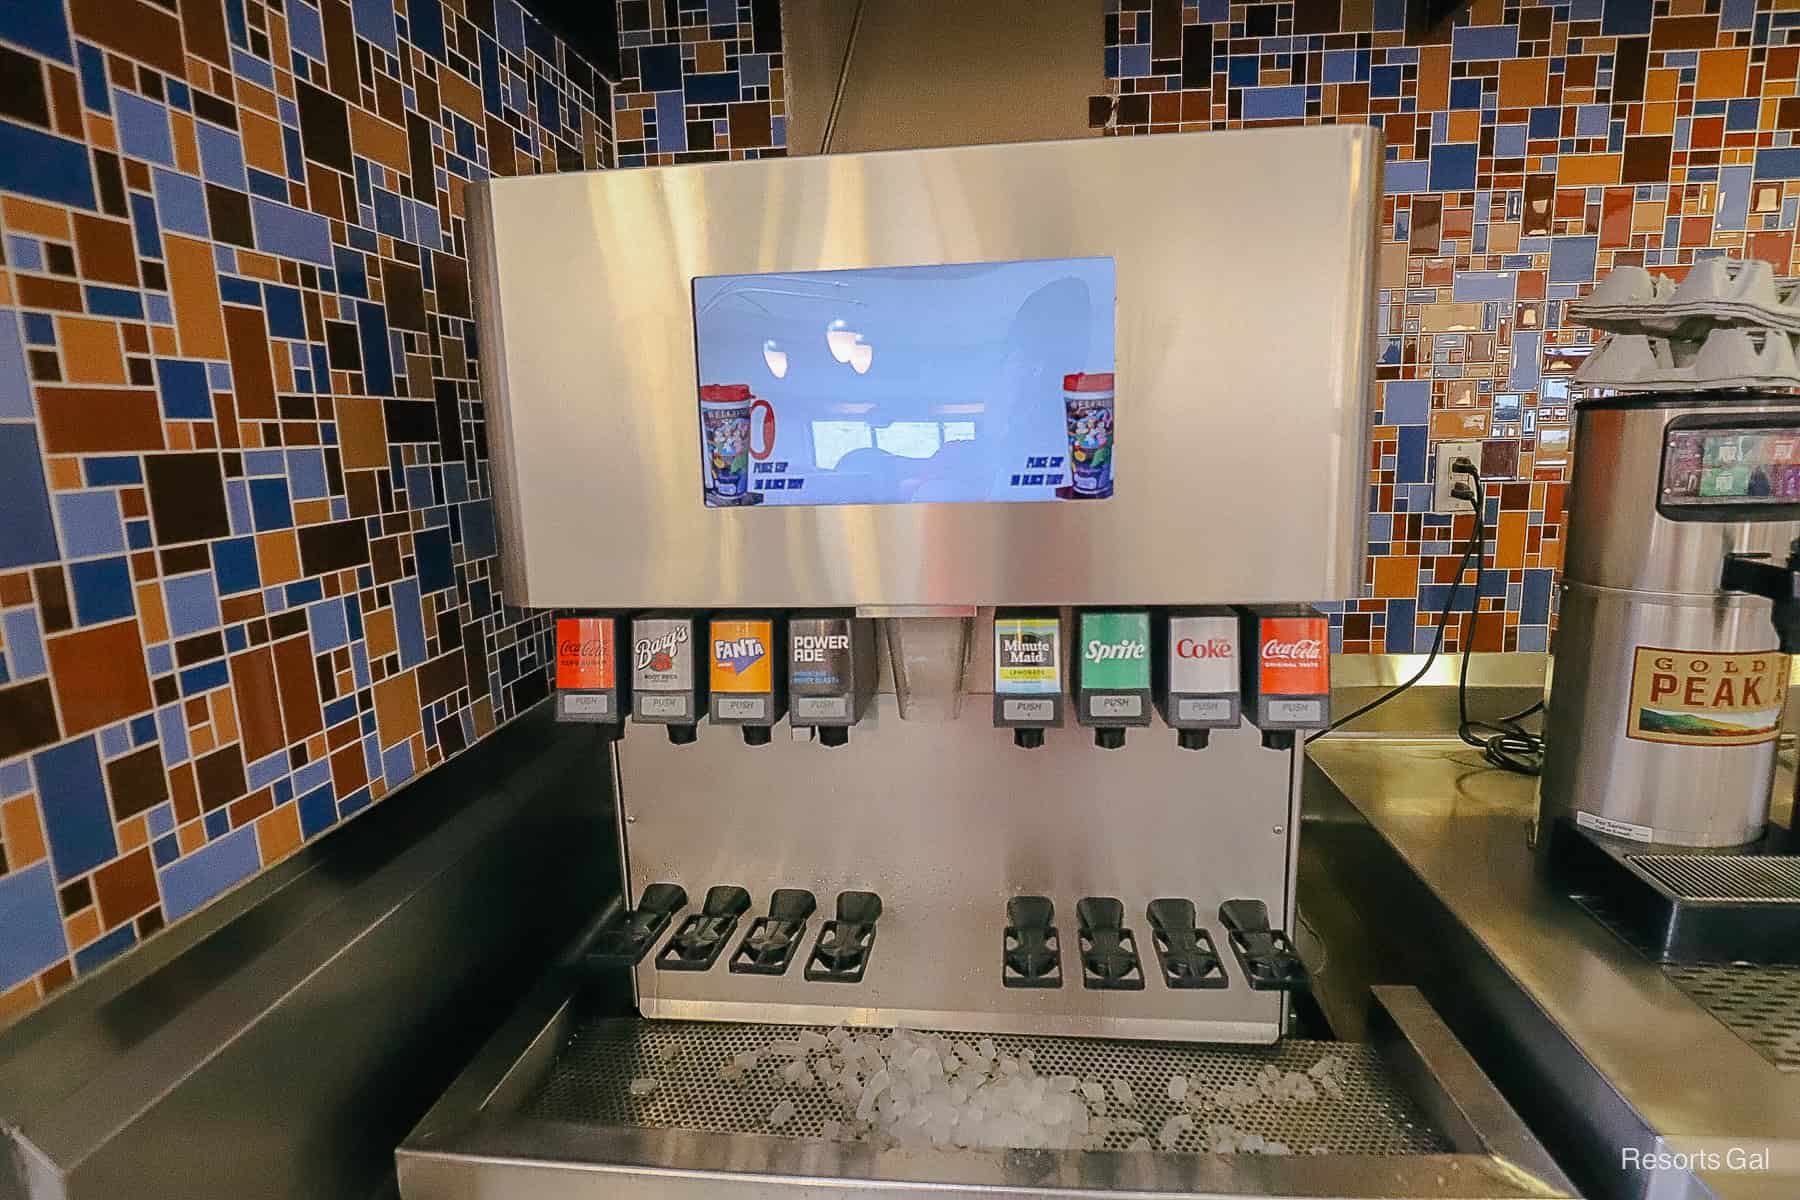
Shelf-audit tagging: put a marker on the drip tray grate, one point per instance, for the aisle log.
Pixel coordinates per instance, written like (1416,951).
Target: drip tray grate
(1720,878)
(1759,1004)
(590,1083)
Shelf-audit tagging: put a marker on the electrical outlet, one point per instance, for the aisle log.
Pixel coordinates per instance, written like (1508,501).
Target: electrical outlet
(1445,479)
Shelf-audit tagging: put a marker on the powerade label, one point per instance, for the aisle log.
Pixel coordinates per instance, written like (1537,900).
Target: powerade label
(1028,656)
(661,656)
(740,657)
(1203,655)
(1115,652)
(819,656)
(584,653)
(1703,698)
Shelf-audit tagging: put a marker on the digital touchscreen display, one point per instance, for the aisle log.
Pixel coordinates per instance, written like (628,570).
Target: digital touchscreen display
(908,385)
(1731,466)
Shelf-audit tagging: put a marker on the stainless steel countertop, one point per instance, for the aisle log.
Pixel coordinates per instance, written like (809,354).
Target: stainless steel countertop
(1462,828)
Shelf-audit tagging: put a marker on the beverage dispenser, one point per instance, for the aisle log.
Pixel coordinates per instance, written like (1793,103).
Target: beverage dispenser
(946,515)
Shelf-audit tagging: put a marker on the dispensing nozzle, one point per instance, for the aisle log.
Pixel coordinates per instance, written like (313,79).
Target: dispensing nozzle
(1752,573)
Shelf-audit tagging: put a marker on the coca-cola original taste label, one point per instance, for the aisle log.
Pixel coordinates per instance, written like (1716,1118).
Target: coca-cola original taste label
(584,654)
(1291,661)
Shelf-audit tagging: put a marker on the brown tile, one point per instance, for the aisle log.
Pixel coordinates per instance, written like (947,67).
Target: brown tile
(15,589)
(137,782)
(65,102)
(125,887)
(252,380)
(349,769)
(244,811)
(1524,82)
(221,777)
(441,676)
(186,794)
(22,92)
(405,296)
(259,712)
(187,497)
(362,437)
(144,31)
(228,214)
(450,277)
(397,708)
(52,598)
(1646,159)
(1427,230)
(1684,33)
(106,250)
(195,285)
(99,675)
(27,718)
(204,23)
(336,546)
(298,686)
(58,295)
(749,124)
(374,138)
(90,349)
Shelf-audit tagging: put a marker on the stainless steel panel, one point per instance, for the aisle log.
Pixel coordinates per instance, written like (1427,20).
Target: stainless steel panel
(1685,795)
(946,822)
(938,72)
(1594,1045)
(1616,537)
(1759,1004)
(585,286)
(479,1141)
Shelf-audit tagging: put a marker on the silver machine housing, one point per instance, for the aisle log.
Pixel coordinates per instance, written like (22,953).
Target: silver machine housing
(1636,577)
(589,372)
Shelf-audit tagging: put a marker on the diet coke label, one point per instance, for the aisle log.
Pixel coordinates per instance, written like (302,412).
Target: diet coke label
(1292,659)
(1203,655)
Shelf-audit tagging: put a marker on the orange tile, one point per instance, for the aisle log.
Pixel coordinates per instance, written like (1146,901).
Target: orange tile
(259,265)
(187,154)
(65,474)
(151,617)
(19,1001)
(90,350)
(162,339)
(191,837)
(21,831)
(1721,74)
(1524,82)
(278,833)
(1434,78)
(195,284)
(132,833)
(43,220)
(100,131)
(1587,170)
(277,557)
(1659,117)
(1397,576)
(82,928)
(6,288)
(262,143)
(397,708)
(201,739)
(374,138)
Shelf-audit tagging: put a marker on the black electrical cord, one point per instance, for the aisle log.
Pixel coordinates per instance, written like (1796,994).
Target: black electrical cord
(1503,742)
(1472,550)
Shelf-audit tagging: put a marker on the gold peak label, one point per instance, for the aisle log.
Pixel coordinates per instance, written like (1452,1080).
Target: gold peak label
(1702,698)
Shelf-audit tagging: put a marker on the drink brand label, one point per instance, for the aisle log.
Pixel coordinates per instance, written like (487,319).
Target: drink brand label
(662,655)
(818,656)
(584,653)
(1027,655)
(1703,698)
(1203,655)
(1291,657)
(1115,651)
(740,656)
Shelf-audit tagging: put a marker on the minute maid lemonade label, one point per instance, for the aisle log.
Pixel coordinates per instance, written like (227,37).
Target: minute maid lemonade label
(741,656)
(1700,698)
(1027,655)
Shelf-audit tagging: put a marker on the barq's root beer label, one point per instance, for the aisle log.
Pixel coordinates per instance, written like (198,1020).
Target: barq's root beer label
(1291,660)
(584,656)
(1702,698)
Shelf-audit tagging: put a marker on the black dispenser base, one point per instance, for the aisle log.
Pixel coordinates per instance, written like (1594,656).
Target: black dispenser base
(1681,905)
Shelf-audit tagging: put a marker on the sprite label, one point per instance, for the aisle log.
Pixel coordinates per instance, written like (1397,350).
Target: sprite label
(1115,651)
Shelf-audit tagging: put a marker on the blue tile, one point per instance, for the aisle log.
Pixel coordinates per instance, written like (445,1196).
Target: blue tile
(91,524)
(721,87)
(285,316)
(73,799)
(183,388)
(1525,366)
(1399,178)
(478,530)
(1406,402)
(43,166)
(269,504)
(378,370)
(326,622)
(93,78)
(397,763)
(190,882)
(221,156)
(306,474)
(172,726)
(180,203)
(193,604)
(409,622)
(1778,163)
(1400,632)
(1734,198)
(165,850)
(1269,103)
(114,741)
(196,681)
(265,771)
(318,812)
(1453,168)
(102,590)
(351,279)
(234,565)
(24,643)
(1625,17)
(143,729)
(31,928)
(1484,41)
(15,383)
(114,302)
(425,26)
(1572,259)
(671,123)
(431,550)
(1409,460)
(27,535)
(99,952)
(293,232)
(374,19)
(306,31)
(264,462)
(143,128)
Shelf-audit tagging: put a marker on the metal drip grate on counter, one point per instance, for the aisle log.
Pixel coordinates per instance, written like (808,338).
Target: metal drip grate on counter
(590,1083)
(1759,1004)
(1763,879)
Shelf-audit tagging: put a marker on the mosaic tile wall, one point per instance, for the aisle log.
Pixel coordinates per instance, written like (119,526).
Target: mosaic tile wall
(1529,149)
(701,81)
(247,573)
